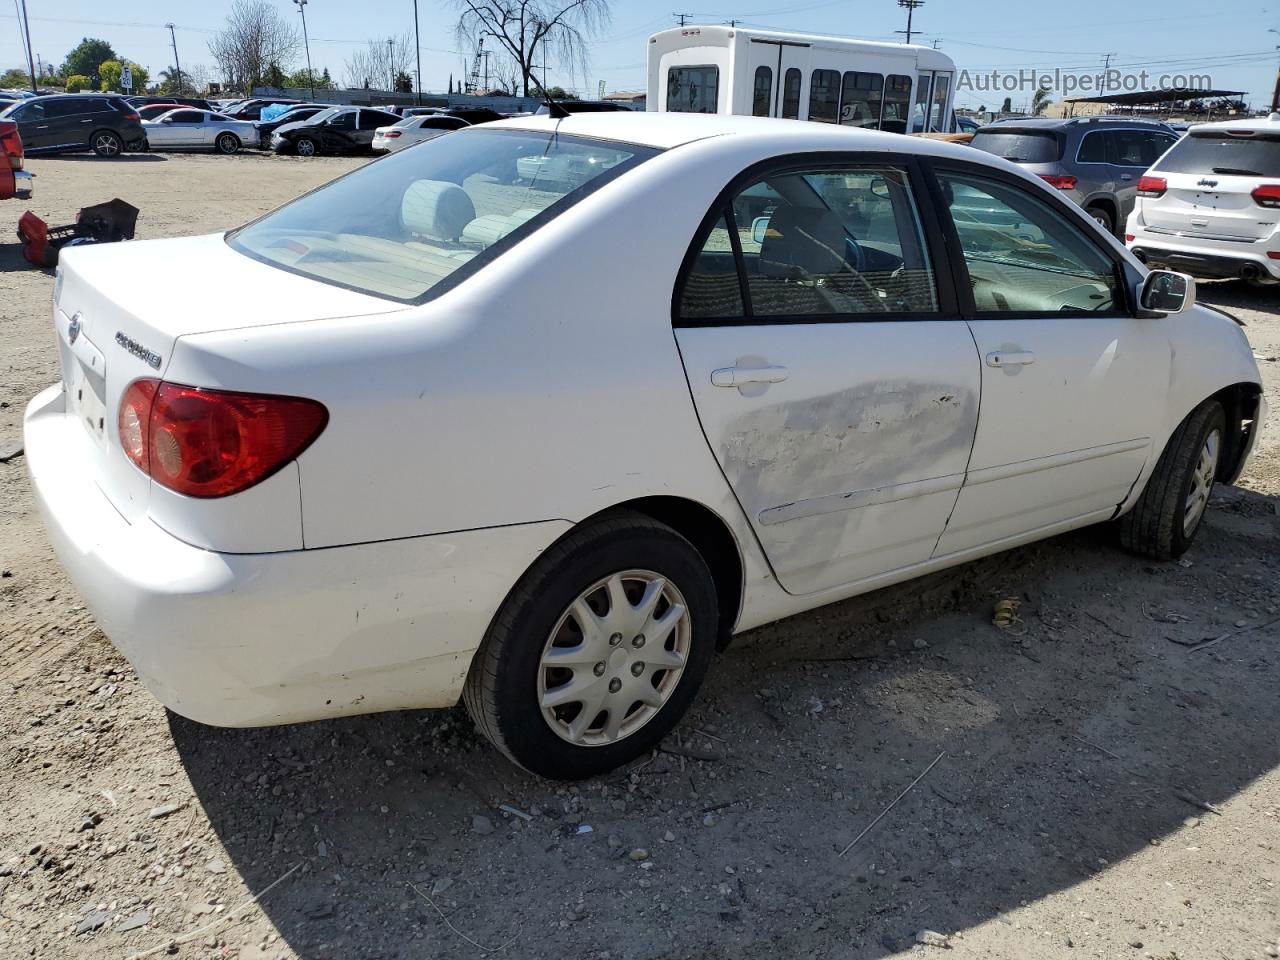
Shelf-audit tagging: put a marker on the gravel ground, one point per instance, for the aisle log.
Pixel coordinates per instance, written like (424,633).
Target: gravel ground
(1103,789)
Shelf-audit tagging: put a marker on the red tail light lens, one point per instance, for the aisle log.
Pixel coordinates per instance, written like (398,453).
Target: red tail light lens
(1129,238)
(392,134)
(11,143)
(1152,186)
(213,443)
(130,115)
(1061,182)
(1267,195)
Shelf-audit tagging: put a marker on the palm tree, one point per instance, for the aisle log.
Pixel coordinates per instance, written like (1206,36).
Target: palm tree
(1040,102)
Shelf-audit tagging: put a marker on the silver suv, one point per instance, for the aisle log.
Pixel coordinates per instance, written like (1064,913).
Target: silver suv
(1096,161)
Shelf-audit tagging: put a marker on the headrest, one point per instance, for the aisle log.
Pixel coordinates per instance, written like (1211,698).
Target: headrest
(436,209)
(803,241)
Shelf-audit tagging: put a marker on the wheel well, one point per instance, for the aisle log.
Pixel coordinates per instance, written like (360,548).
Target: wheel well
(711,538)
(1105,204)
(1240,403)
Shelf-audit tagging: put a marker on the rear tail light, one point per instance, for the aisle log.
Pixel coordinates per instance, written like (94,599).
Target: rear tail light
(1274,254)
(1152,186)
(130,115)
(1062,182)
(213,443)
(391,134)
(11,143)
(1267,195)
(1129,238)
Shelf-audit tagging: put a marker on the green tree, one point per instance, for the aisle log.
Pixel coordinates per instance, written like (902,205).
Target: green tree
(77,82)
(86,56)
(303,79)
(560,93)
(1040,101)
(1007,106)
(15,78)
(109,72)
(176,81)
(274,76)
(404,83)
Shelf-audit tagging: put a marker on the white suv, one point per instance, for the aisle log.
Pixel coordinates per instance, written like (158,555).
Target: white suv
(1211,205)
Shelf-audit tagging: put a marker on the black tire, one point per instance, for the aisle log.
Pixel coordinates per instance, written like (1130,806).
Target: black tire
(106,143)
(1155,527)
(501,691)
(305,147)
(227,143)
(1103,216)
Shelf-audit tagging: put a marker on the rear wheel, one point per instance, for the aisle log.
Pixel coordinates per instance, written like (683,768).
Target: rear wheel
(227,143)
(598,650)
(107,143)
(305,147)
(1166,517)
(1102,217)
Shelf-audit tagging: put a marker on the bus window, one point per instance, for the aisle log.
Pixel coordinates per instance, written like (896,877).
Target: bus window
(824,95)
(692,89)
(762,95)
(897,103)
(860,99)
(938,114)
(921,108)
(791,95)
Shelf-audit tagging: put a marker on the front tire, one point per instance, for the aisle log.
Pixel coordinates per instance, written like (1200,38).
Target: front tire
(227,143)
(107,143)
(598,650)
(305,147)
(1165,519)
(1102,217)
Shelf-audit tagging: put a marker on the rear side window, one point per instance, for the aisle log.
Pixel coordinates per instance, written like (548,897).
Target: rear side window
(830,243)
(693,89)
(791,95)
(762,92)
(897,103)
(1020,146)
(1255,156)
(1134,148)
(860,97)
(1093,148)
(824,95)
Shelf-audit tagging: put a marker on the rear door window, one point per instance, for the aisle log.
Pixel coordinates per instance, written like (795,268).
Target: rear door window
(1246,156)
(791,95)
(897,103)
(1133,148)
(762,93)
(1020,146)
(1093,148)
(693,89)
(824,95)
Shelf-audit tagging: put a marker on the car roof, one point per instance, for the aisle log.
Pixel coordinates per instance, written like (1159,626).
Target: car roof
(1267,124)
(666,130)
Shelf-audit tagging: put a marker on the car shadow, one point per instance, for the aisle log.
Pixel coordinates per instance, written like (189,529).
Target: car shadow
(12,260)
(86,156)
(1075,737)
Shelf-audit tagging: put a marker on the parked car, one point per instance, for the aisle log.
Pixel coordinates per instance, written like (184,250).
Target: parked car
(186,129)
(14,181)
(1211,205)
(414,129)
(426,467)
(586,106)
(966,124)
(302,111)
(106,124)
(473,115)
(153,111)
(336,130)
(1096,161)
(198,102)
(252,109)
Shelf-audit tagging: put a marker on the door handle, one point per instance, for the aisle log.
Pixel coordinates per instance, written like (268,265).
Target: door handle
(1126,176)
(1013,358)
(87,120)
(739,376)
(43,126)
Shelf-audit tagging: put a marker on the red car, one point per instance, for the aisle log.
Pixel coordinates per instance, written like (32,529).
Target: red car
(14,181)
(153,111)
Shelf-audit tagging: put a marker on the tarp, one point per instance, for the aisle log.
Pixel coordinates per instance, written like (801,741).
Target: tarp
(273,111)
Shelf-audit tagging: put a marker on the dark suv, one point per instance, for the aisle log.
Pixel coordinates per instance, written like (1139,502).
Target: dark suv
(106,124)
(1096,161)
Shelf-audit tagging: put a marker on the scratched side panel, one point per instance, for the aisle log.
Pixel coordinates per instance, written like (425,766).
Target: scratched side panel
(850,467)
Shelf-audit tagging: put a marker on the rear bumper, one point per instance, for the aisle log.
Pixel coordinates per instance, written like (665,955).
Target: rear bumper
(1200,257)
(260,639)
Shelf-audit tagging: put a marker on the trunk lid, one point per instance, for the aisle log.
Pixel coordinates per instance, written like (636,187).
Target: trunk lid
(119,309)
(1209,205)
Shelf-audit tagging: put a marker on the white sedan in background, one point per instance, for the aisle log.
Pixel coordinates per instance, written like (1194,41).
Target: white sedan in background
(436,463)
(189,129)
(413,130)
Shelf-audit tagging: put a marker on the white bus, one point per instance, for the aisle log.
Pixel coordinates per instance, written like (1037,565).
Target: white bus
(903,88)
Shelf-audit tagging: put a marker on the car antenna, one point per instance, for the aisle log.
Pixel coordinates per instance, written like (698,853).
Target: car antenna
(556,107)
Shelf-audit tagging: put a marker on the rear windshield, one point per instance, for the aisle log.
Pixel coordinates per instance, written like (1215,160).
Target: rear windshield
(1254,156)
(1020,146)
(417,222)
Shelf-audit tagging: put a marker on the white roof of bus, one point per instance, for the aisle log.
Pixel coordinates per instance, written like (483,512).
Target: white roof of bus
(724,33)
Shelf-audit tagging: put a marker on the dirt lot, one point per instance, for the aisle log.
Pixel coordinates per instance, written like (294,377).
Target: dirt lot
(1103,790)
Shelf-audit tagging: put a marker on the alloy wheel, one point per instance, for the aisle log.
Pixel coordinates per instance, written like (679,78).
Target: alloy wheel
(306,148)
(106,145)
(614,658)
(1201,483)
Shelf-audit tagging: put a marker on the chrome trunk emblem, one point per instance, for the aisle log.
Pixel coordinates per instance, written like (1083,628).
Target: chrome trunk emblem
(73,329)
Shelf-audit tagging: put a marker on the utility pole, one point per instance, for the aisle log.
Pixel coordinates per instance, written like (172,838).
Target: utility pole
(391,62)
(306,42)
(910,6)
(26,29)
(486,71)
(683,17)
(417,46)
(1106,67)
(176,66)
(936,42)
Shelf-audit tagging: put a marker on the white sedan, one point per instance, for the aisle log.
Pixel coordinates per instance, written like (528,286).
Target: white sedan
(187,129)
(415,129)
(546,445)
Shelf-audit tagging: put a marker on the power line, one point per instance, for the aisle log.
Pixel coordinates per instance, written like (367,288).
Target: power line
(911,6)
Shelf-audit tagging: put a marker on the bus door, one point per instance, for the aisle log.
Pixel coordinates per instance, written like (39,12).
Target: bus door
(775,76)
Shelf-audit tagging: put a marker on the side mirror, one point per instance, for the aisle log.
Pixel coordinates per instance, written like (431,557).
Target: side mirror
(1166,292)
(759,227)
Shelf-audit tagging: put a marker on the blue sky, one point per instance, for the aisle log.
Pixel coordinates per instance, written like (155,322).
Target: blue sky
(1231,42)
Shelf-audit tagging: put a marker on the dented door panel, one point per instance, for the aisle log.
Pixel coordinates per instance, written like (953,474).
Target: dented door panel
(849,467)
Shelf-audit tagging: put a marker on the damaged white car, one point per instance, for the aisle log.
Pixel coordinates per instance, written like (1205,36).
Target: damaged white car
(539,414)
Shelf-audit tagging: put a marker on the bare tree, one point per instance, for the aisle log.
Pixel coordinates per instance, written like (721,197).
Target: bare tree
(528,29)
(254,38)
(379,63)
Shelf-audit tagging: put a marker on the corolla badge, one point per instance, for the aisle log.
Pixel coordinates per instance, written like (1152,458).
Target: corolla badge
(139,351)
(73,329)
(1207,183)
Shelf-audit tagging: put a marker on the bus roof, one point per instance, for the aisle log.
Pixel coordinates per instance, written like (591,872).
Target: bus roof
(719,34)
